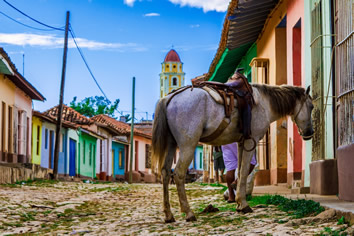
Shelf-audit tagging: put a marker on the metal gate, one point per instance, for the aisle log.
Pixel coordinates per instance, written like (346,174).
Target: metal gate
(317,82)
(345,71)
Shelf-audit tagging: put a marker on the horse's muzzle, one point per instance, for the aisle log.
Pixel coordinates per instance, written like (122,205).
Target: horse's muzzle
(307,135)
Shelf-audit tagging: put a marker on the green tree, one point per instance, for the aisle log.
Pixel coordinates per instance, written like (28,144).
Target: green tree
(97,105)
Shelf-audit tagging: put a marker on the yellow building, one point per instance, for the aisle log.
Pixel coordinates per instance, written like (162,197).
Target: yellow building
(36,138)
(172,75)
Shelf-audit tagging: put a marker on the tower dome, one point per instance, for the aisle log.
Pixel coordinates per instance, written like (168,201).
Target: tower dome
(172,56)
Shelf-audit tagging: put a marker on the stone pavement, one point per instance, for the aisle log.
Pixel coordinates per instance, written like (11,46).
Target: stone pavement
(47,208)
(343,208)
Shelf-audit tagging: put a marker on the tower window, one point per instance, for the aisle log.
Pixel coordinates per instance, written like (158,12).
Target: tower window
(174,66)
(174,81)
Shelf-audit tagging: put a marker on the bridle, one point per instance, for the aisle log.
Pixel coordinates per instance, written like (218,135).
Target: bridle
(297,113)
(302,104)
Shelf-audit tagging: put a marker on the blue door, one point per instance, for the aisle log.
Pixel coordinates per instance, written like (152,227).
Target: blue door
(72,157)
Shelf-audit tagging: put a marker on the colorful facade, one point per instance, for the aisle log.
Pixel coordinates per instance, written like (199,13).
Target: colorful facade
(36,139)
(87,154)
(16,95)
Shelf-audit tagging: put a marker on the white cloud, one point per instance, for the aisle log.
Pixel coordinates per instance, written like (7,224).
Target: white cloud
(195,26)
(206,5)
(129,2)
(52,41)
(151,14)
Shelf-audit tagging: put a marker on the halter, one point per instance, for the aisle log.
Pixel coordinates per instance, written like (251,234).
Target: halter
(302,104)
(294,119)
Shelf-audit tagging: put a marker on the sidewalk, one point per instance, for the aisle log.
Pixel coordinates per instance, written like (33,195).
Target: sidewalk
(342,208)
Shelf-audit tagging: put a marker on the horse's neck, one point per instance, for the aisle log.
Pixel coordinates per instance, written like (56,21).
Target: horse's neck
(265,100)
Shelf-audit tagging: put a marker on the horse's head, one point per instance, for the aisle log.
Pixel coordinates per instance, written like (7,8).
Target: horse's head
(302,115)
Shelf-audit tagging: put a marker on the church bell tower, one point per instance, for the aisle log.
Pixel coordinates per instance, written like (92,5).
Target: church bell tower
(172,75)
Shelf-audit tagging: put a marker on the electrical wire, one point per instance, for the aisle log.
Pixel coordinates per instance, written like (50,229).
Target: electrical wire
(2,13)
(37,21)
(88,67)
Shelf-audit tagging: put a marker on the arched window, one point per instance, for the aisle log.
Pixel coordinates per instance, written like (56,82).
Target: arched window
(174,81)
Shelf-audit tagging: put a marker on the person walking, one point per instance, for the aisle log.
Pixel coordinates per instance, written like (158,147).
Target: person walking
(218,164)
(230,156)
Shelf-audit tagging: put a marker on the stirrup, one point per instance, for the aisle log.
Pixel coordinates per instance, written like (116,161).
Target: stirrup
(254,145)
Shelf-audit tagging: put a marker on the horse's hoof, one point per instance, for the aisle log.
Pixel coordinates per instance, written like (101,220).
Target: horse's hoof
(171,220)
(191,217)
(245,210)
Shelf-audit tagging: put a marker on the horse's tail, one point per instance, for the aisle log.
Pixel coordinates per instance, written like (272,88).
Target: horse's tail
(161,137)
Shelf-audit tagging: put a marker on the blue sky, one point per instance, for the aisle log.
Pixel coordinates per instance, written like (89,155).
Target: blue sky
(119,38)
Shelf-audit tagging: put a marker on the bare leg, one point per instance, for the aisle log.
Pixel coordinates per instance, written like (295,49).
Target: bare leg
(222,175)
(186,157)
(216,175)
(230,177)
(166,174)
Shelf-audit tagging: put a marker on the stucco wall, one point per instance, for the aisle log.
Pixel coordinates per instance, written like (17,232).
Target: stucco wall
(7,95)
(141,152)
(295,13)
(72,134)
(36,158)
(45,150)
(118,170)
(271,45)
(85,167)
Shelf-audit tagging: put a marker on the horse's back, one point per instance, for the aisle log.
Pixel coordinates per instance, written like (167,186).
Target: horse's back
(189,112)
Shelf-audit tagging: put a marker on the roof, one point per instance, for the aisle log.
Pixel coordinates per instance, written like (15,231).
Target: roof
(9,69)
(172,56)
(51,119)
(119,126)
(70,115)
(243,23)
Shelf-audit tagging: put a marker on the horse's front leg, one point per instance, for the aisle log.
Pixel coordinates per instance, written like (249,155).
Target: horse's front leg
(242,205)
(186,157)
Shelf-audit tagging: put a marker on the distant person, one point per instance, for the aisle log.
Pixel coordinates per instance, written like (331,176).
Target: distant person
(230,156)
(218,164)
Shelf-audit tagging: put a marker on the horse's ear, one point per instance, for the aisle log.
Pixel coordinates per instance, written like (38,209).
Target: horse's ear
(308,90)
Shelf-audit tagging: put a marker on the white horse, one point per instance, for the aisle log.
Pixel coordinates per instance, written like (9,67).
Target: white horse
(193,114)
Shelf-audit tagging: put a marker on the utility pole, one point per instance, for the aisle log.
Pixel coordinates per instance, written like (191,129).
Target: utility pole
(132,136)
(61,98)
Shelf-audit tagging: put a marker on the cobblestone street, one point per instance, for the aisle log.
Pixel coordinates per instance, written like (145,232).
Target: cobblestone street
(45,207)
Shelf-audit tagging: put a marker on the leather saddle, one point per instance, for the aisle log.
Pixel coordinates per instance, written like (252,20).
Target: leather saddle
(237,88)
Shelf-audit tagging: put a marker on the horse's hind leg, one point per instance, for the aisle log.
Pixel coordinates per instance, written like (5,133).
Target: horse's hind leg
(166,175)
(186,157)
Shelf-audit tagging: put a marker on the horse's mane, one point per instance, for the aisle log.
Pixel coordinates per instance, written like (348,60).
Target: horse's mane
(282,98)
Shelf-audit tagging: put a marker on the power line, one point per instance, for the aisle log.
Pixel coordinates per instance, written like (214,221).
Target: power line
(23,23)
(87,66)
(41,23)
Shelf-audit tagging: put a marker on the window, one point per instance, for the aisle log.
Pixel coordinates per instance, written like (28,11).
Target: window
(37,141)
(3,125)
(90,154)
(200,160)
(174,81)
(120,159)
(46,139)
(147,156)
(9,138)
(84,151)
(174,66)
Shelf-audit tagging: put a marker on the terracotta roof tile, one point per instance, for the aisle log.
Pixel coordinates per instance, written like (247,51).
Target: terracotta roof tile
(119,126)
(70,115)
